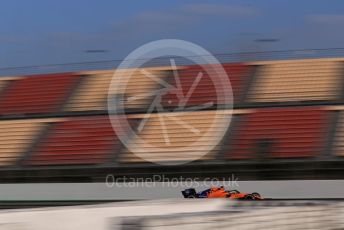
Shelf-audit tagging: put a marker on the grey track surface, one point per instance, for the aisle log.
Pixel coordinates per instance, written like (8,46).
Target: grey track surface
(296,189)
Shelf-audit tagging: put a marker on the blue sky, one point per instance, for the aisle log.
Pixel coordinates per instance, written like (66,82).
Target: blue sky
(39,32)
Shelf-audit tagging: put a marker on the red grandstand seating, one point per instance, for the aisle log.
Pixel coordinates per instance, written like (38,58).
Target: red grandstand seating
(37,94)
(287,132)
(205,91)
(292,132)
(81,140)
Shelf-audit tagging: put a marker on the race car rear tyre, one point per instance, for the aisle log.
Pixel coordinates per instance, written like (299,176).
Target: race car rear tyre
(255,194)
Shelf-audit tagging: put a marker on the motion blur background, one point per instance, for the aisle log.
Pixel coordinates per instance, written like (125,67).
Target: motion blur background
(285,62)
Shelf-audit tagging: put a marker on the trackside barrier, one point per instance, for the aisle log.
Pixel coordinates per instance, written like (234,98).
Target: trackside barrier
(274,215)
(181,214)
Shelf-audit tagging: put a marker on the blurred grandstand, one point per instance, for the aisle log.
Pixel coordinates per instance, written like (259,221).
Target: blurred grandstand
(287,124)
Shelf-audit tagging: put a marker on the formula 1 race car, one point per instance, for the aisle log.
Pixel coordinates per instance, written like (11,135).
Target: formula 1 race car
(220,192)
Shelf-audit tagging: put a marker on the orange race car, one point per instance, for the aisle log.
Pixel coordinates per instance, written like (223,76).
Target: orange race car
(220,192)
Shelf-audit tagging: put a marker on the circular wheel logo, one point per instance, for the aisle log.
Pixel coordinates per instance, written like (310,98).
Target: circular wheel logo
(178,130)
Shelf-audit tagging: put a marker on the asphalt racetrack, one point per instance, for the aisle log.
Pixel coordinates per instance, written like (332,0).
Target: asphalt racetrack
(294,189)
